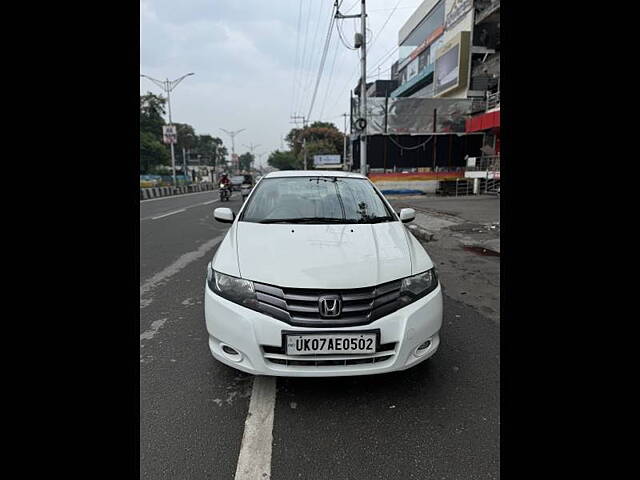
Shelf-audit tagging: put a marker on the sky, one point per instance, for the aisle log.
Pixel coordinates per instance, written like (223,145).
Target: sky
(256,62)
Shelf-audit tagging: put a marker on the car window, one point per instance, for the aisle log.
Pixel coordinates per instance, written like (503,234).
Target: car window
(316,200)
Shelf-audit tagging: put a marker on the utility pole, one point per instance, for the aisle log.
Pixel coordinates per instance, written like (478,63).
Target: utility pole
(363,88)
(168,86)
(363,80)
(232,134)
(344,143)
(295,119)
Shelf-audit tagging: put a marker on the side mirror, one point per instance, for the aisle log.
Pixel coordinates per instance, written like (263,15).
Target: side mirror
(224,215)
(407,215)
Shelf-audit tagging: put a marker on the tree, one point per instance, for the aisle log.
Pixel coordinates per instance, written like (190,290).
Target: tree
(212,150)
(187,139)
(151,111)
(153,152)
(245,160)
(322,138)
(286,160)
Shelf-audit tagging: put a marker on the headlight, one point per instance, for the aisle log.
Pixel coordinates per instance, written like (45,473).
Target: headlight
(235,289)
(418,286)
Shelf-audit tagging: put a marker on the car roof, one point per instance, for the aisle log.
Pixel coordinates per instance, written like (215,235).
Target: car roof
(313,173)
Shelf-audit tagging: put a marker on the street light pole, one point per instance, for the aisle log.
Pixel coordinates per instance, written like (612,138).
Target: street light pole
(168,86)
(233,134)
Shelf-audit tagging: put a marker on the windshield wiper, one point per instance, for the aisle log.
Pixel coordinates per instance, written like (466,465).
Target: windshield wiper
(376,219)
(304,220)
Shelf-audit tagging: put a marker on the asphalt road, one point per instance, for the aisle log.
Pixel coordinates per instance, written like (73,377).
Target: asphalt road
(439,420)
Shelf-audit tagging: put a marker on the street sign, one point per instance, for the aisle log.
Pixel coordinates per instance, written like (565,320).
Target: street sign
(326,160)
(169,134)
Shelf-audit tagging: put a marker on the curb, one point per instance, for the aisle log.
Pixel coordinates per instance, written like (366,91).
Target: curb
(155,192)
(421,234)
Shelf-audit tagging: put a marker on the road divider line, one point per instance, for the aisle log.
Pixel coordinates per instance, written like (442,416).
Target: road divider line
(176,266)
(170,213)
(254,461)
(210,202)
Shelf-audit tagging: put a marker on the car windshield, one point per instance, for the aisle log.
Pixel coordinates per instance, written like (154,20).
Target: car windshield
(316,200)
(237,179)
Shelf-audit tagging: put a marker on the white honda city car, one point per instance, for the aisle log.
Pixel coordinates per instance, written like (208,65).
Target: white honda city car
(317,277)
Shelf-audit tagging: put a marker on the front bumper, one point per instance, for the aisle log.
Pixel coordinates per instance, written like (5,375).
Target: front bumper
(255,336)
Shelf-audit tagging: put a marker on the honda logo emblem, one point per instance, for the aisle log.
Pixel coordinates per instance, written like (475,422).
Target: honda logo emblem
(330,306)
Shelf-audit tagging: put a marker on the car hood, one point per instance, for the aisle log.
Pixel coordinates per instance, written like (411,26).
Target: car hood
(323,256)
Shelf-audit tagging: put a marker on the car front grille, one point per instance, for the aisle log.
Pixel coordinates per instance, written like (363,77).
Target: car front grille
(278,356)
(300,307)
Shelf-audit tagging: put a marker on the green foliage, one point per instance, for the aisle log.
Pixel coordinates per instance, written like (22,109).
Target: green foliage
(322,138)
(152,151)
(151,111)
(154,154)
(286,160)
(211,148)
(245,160)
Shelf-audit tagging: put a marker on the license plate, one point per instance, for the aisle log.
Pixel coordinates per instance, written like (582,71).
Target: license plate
(331,343)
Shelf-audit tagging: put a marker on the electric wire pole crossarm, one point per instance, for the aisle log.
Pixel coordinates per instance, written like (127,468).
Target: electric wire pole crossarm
(168,85)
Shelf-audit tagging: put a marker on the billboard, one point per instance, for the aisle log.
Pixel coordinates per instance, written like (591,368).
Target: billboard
(322,160)
(452,65)
(457,11)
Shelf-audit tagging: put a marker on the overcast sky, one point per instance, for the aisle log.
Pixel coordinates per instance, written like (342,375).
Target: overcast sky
(256,61)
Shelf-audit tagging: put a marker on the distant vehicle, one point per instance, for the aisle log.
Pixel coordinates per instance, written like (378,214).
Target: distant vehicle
(318,277)
(225,192)
(236,182)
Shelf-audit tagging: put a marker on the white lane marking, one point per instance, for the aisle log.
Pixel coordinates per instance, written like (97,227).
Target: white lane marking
(185,208)
(176,196)
(254,461)
(170,213)
(151,332)
(175,267)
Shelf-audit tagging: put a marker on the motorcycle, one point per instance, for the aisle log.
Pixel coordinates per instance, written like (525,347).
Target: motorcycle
(245,190)
(225,193)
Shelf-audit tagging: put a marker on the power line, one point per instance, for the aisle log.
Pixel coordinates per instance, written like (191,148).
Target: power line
(385,24)
(385,58)
(342,39)
(296,60)
(410,148)
(303,58)
(322,59)
(330,82)
(309,78)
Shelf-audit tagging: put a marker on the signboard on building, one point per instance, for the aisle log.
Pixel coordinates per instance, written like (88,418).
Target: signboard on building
(326,160)
(430,39)
(452,65)
(169,134)
(412,69)
(457,12)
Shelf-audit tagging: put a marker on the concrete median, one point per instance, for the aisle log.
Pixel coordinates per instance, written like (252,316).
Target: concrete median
(155,192)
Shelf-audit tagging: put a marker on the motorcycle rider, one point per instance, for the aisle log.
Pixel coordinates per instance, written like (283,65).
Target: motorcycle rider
(225,187)
(225,180)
